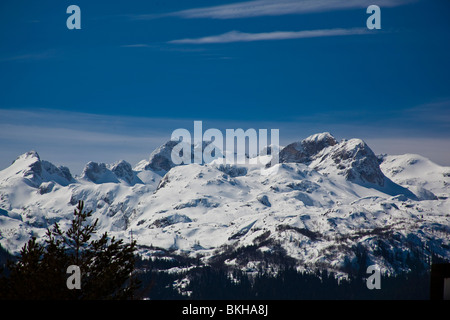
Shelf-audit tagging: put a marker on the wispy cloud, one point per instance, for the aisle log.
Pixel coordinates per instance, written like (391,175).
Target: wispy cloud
(35,56)
(237,36)
(72,139)
(137,45)
(164,47)
(258,8)
(437,112)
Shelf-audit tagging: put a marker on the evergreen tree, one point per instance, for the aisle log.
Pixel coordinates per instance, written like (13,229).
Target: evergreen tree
(40,272)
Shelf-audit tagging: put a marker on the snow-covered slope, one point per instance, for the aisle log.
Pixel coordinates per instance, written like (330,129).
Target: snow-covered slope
(326,204)
(423,177)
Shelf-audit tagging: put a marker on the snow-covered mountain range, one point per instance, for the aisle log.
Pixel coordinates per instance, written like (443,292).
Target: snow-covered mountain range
(327,203)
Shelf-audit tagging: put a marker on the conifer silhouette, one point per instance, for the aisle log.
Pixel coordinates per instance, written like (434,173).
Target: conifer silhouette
(40,271)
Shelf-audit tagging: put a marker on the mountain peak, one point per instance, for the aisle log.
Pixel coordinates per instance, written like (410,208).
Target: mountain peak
(98,173)
(319,137)
(317,142)
(161,158)
(27,159)
(29,155)
(124,171)
(354,160)
(305,150)
(30,166)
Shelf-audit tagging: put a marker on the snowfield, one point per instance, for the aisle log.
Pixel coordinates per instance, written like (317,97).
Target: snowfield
(326,204)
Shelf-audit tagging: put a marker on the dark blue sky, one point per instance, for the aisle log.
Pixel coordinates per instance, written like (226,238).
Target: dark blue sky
(154,60)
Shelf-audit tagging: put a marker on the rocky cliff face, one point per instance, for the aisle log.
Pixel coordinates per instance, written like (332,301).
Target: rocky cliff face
(306,150)
(352,159)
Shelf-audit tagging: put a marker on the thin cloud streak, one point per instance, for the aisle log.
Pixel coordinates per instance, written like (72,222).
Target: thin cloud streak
(138,45)
(72,139)
(237,36)
(29,56)
(258,8)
